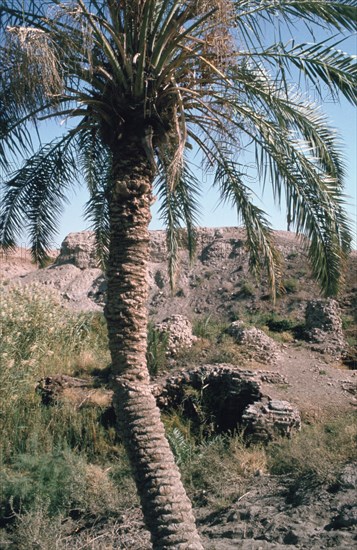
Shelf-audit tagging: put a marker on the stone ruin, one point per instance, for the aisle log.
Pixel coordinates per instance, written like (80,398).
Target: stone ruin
(258,344)
(324,327)
(270,417)
(224,397)
(179,332)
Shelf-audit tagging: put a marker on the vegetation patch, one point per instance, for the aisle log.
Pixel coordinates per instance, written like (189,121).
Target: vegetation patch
(62,468)
(328,444)
(156,354)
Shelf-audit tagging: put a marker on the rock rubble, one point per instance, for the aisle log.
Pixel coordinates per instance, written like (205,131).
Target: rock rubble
(324,327)
(260,345)
(179,331)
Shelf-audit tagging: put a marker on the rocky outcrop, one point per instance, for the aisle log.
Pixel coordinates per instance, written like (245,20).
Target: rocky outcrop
(217,285)
(324,327)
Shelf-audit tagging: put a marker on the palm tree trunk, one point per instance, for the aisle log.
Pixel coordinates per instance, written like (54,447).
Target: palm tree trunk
(167,510)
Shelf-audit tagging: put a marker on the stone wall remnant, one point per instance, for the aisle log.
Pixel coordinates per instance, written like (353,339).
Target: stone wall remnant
(260,345)
(179,331)
(270,417)
(229,397)
(324,327)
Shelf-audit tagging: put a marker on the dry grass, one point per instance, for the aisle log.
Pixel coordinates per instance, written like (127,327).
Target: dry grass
(60,461)
(318,451)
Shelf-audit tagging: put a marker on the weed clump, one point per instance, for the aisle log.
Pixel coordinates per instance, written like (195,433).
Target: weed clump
(53,460)
(328,444)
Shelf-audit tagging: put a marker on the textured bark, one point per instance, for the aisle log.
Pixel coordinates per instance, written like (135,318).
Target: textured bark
(167,510)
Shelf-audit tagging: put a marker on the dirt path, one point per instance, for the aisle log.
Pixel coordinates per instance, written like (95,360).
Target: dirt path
(315,382)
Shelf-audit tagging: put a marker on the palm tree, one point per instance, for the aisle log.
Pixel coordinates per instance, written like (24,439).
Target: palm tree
(142,83)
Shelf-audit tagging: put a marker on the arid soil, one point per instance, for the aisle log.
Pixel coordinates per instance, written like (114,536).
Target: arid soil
(268,515)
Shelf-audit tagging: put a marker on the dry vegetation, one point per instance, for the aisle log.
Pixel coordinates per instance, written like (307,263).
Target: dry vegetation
(64,469)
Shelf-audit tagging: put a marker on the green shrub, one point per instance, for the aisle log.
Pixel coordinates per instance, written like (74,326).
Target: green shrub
(182,446)
(207,327)
(276,324)
(156,354)
(290,285)
(246,290)
(347,322)
(280,325)
(57,479)
(317,452)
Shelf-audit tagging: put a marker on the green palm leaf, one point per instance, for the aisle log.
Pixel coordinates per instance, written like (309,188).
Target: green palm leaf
(34,197)
(179,208)
(320,62)
(260,240)
(95,165)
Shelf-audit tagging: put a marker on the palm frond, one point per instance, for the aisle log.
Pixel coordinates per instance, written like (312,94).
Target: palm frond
(179,208)
(97,213)
(315,201)
(294,113)
(340,14)
(15,141)
(260,241)
(320,63)
(34,196)
(313,184)
(252,14)
(94,160)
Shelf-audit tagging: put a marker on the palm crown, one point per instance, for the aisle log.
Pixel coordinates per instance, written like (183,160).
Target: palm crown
(175,76)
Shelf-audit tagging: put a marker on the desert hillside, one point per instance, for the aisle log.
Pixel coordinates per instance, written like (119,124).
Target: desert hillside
(218,282)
